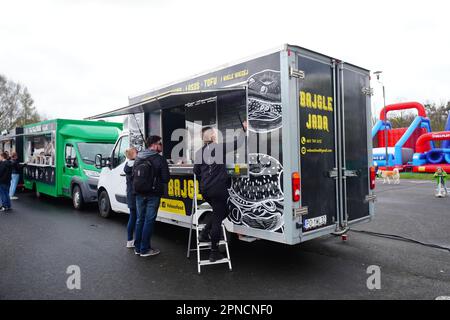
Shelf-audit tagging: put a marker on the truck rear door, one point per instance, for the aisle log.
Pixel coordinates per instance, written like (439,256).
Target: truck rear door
(354,96)
(317,142)
(333,102)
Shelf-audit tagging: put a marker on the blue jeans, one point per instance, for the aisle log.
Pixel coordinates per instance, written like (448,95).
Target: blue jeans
(14,183)
(146,209)
(4,195)
(131,200)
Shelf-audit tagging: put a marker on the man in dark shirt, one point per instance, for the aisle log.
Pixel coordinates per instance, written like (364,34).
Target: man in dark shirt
(147,204)
(5,180)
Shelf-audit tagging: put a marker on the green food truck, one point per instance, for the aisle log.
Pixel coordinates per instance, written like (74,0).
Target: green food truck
(59,157)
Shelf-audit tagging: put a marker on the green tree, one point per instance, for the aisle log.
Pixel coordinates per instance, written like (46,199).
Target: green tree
(438,114)
(402,120)
(16,105)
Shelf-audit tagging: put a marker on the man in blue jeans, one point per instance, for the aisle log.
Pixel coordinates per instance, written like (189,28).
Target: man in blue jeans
(131,154)
(5,180)
(15,166)
(147,203)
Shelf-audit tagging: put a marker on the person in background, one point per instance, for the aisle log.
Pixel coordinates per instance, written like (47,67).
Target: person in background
(131,154)
(150,174)
(441,176)
(214,183)
(377,170)
(7,155)
(5,180)
(15,174)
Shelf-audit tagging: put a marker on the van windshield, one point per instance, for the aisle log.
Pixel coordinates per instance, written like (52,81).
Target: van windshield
(88,151)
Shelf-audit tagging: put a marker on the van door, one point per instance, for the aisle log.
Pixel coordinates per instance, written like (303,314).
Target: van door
(317,142)
(116,179)
(354,86)
(70,169)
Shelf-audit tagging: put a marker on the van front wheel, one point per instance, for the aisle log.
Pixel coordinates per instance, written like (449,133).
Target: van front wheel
(104,205)
(77,198)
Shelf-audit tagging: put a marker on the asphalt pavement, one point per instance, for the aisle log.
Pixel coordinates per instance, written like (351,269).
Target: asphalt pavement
(41,238)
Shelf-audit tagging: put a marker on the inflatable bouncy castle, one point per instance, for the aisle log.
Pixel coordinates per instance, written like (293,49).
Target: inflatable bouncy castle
(412,146)
(401,142)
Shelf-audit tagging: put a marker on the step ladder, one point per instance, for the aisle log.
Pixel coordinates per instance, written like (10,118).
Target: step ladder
(196,213)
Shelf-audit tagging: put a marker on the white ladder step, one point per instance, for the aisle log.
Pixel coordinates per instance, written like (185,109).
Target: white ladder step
(208,244)
(207,262)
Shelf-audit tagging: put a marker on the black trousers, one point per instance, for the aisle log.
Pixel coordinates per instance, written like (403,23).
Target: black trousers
(217,198)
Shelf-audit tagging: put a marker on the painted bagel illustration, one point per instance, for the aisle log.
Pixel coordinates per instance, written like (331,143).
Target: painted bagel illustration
(264,101)
(257,201)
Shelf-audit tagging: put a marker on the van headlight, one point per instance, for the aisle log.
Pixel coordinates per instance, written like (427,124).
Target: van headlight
(91,173)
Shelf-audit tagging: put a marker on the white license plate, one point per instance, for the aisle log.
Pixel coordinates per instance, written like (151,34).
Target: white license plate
(315,222)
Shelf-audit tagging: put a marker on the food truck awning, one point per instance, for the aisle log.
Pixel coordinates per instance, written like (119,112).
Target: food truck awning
(171,99)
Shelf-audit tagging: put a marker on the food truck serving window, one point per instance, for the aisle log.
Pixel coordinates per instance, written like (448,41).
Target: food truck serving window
(199,116)
(40,149)
(154,123)
(179,117)
(182,127)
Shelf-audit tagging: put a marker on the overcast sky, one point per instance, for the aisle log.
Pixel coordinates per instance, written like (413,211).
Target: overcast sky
(83,57)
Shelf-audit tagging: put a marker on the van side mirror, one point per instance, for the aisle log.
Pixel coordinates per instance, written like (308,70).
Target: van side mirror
(101,162)
(98,161)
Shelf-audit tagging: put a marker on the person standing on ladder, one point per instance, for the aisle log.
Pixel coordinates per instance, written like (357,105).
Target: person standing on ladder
(210,169)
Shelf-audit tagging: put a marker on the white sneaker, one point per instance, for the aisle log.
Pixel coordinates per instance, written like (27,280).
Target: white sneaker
(130,244)
(151,252)
(14,198)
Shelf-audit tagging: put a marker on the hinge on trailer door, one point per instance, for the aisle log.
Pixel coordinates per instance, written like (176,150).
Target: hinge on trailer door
(350,173)
(368,91)
(295,73)
(333,173)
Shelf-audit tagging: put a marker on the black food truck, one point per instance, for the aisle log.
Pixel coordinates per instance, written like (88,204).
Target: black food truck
(305,169)
(12,141)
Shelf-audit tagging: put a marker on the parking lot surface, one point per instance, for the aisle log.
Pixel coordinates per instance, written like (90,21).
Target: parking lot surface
(40,238)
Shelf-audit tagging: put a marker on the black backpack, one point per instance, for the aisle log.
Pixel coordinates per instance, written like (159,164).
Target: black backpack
(144,178)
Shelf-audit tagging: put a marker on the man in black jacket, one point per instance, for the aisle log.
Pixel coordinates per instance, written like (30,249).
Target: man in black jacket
(147,204)
(5,180)
(210,169)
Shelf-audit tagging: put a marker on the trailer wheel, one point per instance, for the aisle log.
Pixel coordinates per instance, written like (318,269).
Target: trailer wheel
(77,198)
(104,205)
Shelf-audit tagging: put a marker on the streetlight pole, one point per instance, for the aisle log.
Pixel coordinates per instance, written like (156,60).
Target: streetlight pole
(378,73)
